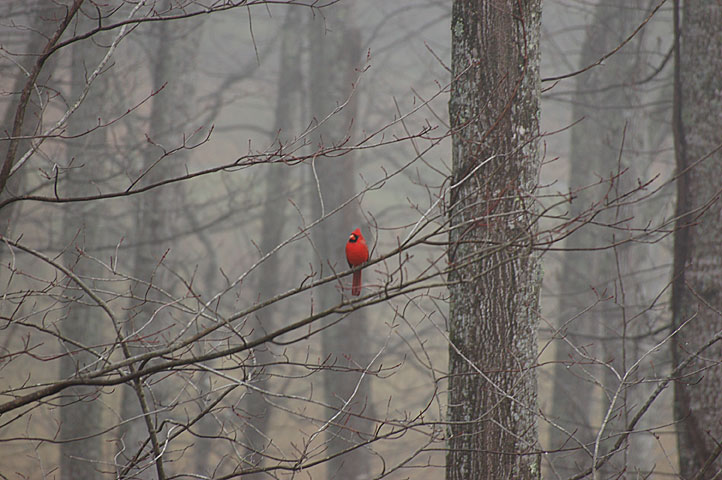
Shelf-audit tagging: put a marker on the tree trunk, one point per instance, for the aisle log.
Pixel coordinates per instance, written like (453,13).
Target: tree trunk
(607,104)
(494,112)
(288,122)
(697,287)
(173,49)
(335,56)
(83,228)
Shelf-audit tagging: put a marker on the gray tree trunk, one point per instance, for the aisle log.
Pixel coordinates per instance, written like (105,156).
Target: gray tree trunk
(288,122)
(83,228)
(494,113)
(335,56)
(697,287)
(173,48)
(608,106)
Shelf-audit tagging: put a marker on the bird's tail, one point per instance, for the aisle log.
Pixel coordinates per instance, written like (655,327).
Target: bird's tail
(356,288)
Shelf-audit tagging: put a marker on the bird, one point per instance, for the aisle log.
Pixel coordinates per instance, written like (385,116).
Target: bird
(357,253)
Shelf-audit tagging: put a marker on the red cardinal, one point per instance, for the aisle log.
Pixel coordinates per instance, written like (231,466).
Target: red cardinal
(356,253)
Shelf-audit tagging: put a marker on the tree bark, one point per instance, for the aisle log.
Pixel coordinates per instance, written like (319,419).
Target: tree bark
(697,278)
(494,112)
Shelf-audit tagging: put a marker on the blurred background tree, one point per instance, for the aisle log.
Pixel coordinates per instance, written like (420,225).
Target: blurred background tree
(179,179)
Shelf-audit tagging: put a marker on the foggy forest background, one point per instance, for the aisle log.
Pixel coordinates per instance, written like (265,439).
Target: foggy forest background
(174,297)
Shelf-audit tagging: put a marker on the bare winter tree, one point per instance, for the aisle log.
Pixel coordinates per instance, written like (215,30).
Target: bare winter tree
(697,280)
(606,284)
(84,227)
(175,360)
(288,122)
(24,122)
(336,61)
(179,179)
(494,112)
(158,214)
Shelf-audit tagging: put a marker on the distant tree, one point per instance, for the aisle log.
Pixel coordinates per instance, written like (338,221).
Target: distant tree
(83,229)
(495,279)
(291,94)
(175,298)
(606,158)
(170,348)
(697,277)
(23,112)
(155,218)
(24,105)
(335,60)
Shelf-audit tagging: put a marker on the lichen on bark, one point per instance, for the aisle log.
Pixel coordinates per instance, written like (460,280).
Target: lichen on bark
(494,110)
